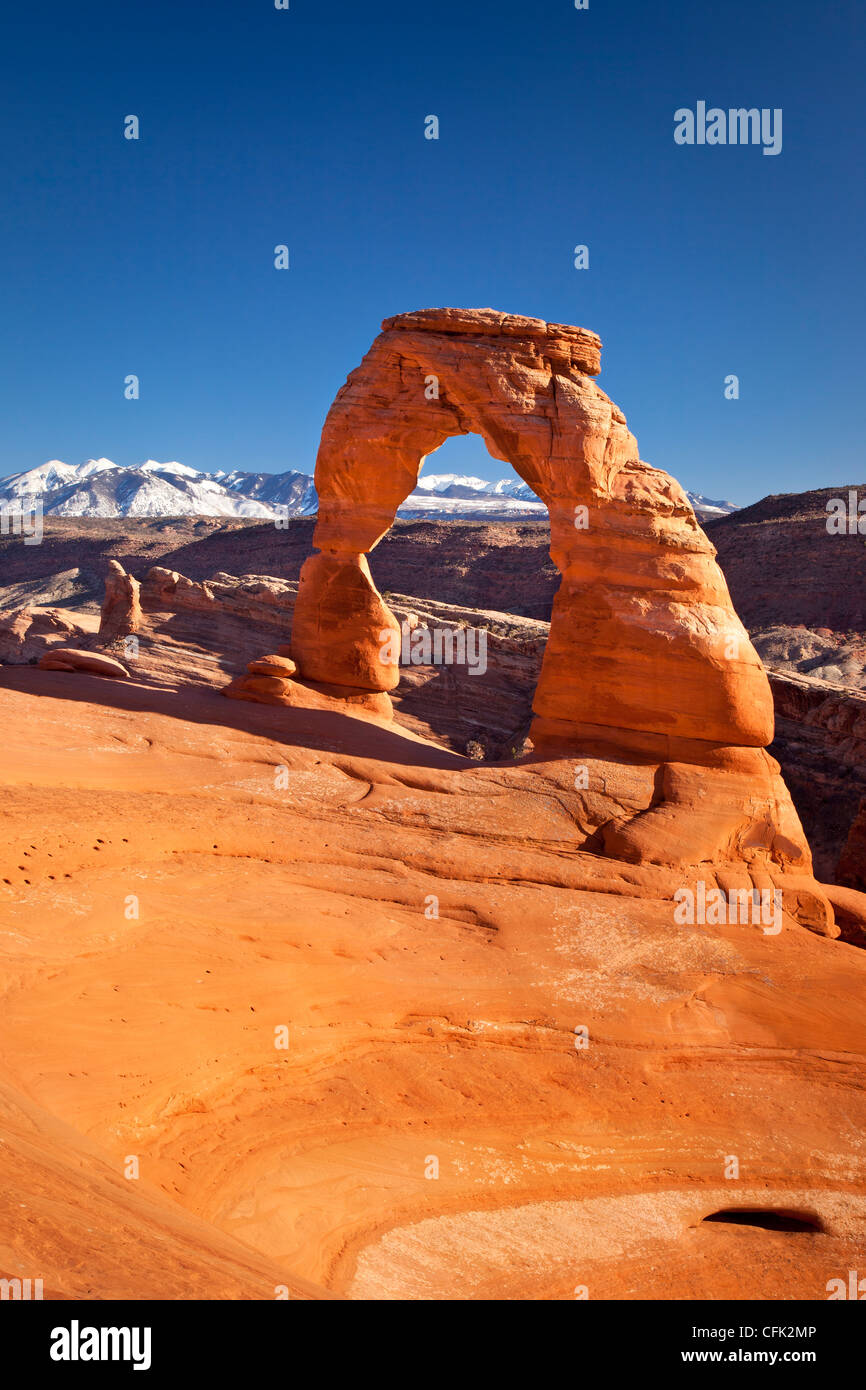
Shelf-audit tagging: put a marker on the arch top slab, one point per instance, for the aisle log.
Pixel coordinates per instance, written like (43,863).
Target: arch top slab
(584,346)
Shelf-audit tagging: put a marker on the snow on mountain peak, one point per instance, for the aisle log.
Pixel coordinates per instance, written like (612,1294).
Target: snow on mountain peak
(91,466)
(182,470)
(437,482)
(102,488)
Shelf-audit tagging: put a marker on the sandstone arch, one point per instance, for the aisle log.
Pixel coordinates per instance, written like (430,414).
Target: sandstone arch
(645,647)
(648,674)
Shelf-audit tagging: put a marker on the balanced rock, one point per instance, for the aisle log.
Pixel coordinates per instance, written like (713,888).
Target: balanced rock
(280,690)
(272,666)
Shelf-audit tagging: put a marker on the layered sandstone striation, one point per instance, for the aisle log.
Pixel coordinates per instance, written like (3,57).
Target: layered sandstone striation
(188,626)
(470,566)
(821,745)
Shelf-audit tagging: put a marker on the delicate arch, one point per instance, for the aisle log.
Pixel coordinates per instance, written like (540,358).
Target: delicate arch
(644,640)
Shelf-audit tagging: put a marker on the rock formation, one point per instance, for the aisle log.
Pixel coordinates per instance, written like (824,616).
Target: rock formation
(93,663)
(646,661)
(643,611)
(26,635)
(121,608)
(250,597)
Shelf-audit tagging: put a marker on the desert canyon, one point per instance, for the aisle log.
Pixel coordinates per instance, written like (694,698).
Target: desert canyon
(375,1017)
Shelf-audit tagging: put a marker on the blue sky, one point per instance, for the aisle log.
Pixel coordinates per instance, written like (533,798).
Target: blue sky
(306,127)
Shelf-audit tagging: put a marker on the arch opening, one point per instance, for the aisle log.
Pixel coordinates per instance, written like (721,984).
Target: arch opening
(460,479)
(463,628)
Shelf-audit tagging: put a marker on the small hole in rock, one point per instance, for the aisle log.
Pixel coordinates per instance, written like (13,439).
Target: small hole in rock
(768,1219)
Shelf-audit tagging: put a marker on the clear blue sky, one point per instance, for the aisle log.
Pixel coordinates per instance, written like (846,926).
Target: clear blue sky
(306,127)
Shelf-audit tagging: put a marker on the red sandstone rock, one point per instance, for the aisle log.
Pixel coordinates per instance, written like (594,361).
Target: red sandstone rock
(272,666)
(70,659)
(341,624)
(646,658)
(276,690)
(643,635)
(286,862)
(25,635)
(121,608)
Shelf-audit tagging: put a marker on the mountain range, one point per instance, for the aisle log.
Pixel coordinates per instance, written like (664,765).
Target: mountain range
(101,488)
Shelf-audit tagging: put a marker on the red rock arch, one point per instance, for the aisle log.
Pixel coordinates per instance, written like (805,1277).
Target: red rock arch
(649,680)
(645,648)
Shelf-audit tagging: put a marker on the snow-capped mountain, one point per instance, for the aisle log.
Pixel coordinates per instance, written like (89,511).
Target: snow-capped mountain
(100,488)
(458,497)
(50,476)
(440,496)
(444,483)
(706,507)
(293,490)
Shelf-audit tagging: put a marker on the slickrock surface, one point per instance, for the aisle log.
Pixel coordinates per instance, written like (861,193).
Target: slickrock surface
(819,726)
(265,686)
(194,633)
(187,875)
